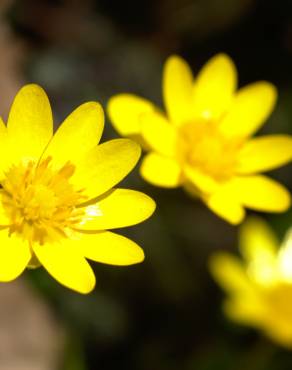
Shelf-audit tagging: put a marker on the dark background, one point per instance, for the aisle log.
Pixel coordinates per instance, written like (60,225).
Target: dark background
(164,314)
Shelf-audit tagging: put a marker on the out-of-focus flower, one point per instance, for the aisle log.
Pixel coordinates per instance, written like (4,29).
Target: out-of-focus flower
(57,196)
(204,143)
(260,287)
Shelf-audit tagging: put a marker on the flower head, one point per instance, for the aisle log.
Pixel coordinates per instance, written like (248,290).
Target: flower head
(57,198)
(260,287)
(203,141)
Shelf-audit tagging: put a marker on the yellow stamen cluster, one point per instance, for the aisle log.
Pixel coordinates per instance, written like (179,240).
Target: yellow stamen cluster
(39,201)
(201,145)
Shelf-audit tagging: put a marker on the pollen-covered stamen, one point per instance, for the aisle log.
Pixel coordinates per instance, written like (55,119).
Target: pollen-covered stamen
(201,145)
(40,201)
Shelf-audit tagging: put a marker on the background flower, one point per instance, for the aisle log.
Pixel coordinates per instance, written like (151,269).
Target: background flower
(203,143)
(260,287)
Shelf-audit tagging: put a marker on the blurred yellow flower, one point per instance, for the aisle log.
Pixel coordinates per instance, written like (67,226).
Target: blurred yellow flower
(57,196)
(260,287)
(204,143)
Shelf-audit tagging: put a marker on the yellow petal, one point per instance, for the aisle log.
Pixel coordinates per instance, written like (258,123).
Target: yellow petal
(7,152)
(247,309)
(229,272)
(257,239)
(264,153)
(200,180)
(251,106)
(79,133)
(177,89)
(118,208)
(105,166)
(225,205)
(214,88)
(4,219)
(3,129)
(14,256)
(285,258)
(109,248)
(66,265)
(125,111)
(159,134)
(261,193)
(161,171)
(258,244)
(30,122)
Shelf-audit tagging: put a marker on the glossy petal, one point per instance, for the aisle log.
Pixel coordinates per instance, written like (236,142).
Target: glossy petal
(30,123)
(66,265)
(3,129)
(105,166)
(79,133)
(125,111)
(177,89)
(118,208)
(159,134)
(161,171)
(7,152)
(229,272)
(214,88)
(225,205)
(4,219)
(247,308)
(14,256)
(258,244)
(285,258)
(264,153)
(257,239)
(251,106)
(109,248)
(200,180)
(261,193)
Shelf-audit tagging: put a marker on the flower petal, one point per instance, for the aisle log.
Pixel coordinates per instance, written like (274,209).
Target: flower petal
(200,180)
(4,219)
(105,166)
(7,152)
(118,208)
(14,256)
(161,171)
(257,239)
(79,133)
(264,153)
(229,272)
(251,106)
(177,89)
(258,244)
(214,87)
(109,248)
(30,122)
(158,133)
(225,205)
(125,110)
(261,193)
(66,265)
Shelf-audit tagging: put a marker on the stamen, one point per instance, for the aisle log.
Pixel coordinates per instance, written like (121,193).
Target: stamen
(40,201)
(202,146)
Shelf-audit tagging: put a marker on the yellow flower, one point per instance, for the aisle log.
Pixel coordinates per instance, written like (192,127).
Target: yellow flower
(260,287)
(204,143)
(57,196)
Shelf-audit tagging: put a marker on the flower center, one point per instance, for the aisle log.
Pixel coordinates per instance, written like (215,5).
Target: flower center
(39,201)
(202,146)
